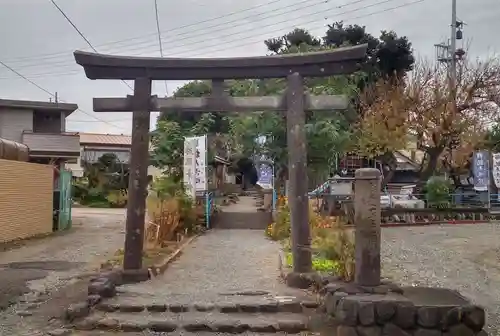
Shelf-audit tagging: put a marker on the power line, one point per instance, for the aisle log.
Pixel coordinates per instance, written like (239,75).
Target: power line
(387,9)
(27,79)
(46,74)
(222,25)
(358,17)
(72,24)
(159,38)
(48,92)
(64,53)
(229,47)
(196,43)
(80,33)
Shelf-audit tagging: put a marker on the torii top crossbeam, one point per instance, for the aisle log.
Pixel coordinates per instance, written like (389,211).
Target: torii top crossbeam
(315,64)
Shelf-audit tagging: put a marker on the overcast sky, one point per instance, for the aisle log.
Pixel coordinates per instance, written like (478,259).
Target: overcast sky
(38,42)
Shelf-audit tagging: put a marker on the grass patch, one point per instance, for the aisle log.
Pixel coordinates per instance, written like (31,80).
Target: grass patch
(319,264)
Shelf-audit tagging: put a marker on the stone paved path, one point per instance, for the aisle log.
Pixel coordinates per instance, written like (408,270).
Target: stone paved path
(225,281)
(42,277)
(222,261)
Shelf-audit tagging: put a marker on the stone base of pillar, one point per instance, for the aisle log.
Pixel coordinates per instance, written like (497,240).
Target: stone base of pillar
(302,280)
(387,310)
(135,276)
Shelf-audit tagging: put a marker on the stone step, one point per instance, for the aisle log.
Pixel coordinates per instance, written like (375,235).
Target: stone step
(196,322)
(254,193)
(257,220)
(235,304)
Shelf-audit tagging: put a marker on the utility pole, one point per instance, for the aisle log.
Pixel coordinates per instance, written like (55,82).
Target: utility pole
(448,52)
(453,45)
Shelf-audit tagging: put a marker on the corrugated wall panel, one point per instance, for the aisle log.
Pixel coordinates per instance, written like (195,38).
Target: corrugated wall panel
(52,142)
(25,199)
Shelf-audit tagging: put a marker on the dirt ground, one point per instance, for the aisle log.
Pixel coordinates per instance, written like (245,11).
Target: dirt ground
(39,278)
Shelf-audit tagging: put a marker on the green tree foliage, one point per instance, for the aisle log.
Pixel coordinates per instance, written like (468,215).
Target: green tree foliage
(168,142)
(328,133)
(104,183)
(389,56)
(187,120)
(107,173)
(296,38)
(492,141)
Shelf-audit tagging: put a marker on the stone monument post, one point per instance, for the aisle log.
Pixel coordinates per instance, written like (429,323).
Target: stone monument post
(367,226)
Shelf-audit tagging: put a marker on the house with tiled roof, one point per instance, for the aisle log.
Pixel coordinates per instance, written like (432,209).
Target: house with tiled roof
(95,145)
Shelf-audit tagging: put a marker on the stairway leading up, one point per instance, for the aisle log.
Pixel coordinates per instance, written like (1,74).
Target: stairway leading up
(244,214)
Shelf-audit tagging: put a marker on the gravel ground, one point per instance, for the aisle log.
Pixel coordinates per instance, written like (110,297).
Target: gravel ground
(49,271)
(461,257)
(219,262)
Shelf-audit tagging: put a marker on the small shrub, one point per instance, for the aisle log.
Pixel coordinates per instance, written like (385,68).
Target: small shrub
(170,211)
(332,242)
(438,192)
(117,198)
(336,243)
(164,220)
(280,229)
(188,212)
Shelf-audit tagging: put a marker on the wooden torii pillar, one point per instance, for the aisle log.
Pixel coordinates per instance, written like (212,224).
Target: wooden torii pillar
(295,102)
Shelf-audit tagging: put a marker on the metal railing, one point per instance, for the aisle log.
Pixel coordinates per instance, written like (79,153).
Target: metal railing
(209,201)
(452,200)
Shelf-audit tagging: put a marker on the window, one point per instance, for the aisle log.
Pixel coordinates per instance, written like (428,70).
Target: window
(92,155)
(46,122)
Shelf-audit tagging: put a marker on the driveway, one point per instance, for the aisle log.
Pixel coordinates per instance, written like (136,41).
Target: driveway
(55,268)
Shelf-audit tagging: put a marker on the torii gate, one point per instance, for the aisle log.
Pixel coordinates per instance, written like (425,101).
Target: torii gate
(295,102)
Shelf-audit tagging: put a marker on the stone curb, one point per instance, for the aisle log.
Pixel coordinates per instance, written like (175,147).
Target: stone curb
(103,286)
(234,327)
(271,307)
(159,268)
